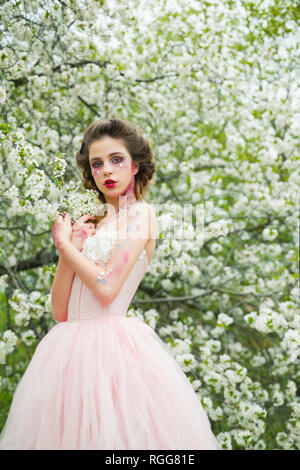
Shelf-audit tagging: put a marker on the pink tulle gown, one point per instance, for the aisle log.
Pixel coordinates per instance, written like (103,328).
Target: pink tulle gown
(102,380)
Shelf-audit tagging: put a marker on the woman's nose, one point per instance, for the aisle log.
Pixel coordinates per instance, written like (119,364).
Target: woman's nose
(107,168)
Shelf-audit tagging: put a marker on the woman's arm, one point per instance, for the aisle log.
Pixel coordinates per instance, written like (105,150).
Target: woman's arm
(61,289)
(63,280)
(106,282)
(87,271)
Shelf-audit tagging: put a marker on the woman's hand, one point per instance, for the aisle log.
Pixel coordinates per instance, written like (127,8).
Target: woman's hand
(81,230)
(62,229)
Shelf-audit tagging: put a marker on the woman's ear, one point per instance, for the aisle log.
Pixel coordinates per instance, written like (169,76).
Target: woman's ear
(136,168)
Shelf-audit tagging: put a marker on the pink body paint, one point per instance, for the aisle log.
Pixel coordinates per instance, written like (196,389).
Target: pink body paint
(129,191)
(80,233)
(118,268)
(116,271)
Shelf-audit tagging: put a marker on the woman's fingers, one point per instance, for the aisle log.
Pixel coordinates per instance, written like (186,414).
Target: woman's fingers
(81,221)
(64,215)
(85,217)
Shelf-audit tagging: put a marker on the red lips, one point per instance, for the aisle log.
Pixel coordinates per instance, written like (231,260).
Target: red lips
(109,181)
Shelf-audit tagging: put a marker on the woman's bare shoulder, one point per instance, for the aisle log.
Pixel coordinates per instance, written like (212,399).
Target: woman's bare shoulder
(153,222)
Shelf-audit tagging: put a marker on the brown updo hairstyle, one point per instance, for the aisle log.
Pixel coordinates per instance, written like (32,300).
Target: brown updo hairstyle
(137,146)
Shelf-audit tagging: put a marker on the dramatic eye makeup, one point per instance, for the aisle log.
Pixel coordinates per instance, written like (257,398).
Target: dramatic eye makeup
(115,155)
(116,160)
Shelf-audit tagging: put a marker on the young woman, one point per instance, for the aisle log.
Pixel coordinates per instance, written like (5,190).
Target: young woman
(100,379)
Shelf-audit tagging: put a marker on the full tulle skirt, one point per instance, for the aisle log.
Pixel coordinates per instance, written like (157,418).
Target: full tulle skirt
(106,383)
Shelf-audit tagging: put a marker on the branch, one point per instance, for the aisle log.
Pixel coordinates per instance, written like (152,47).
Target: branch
(81,63)
(24,80)
(41,259)
(156,78)
(89,106)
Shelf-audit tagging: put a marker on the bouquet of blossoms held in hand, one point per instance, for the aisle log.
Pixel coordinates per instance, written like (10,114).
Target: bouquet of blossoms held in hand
(65,228)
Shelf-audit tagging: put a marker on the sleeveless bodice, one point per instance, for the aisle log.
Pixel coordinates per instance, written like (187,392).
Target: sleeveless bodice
(83,304)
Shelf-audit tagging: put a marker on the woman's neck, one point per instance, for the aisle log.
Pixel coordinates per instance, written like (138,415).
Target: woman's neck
(119,205)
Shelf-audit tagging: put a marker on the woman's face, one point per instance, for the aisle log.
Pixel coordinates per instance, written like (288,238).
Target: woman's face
(109,159)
